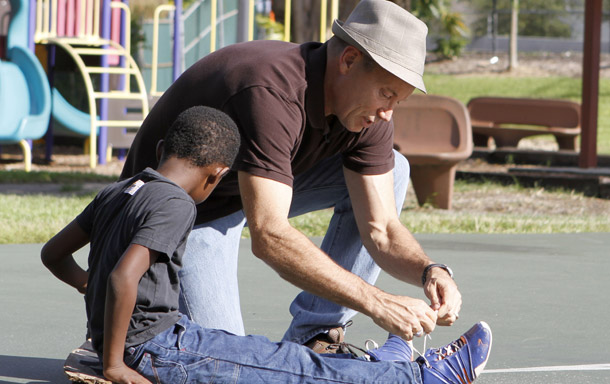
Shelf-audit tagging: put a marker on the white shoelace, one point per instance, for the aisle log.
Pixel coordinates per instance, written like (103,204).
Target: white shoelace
(426,337)
(375,346)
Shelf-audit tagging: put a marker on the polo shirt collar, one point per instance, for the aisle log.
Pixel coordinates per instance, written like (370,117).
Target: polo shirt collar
(315,68)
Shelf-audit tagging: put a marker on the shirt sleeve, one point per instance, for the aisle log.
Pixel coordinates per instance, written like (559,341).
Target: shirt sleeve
(271,127)
(85,218)
(373,154)
(167,226)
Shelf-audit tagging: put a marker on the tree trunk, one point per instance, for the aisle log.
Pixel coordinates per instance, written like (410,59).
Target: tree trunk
(514,33)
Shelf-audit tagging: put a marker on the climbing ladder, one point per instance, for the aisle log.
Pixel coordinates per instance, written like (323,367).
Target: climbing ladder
(83,42)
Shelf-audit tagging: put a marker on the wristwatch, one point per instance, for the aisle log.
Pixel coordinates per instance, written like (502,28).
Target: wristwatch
(424,275)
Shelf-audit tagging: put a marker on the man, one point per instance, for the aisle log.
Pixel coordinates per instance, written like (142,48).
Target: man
(315,121)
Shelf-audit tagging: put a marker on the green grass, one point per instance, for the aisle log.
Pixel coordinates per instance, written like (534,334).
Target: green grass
(36,218)
(465,88)
(478,208)
(491,208)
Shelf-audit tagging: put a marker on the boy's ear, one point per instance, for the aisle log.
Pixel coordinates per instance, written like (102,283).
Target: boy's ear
(214,174)
(159,150)
(217,173)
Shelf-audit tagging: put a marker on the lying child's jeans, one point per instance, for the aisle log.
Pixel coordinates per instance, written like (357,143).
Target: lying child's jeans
(186,352)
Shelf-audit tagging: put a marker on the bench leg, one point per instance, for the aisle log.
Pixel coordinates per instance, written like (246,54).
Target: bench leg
(481,140)
(434,184)
(569,143)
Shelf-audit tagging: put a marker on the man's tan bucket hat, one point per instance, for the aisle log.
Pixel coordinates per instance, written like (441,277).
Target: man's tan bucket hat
(390,35)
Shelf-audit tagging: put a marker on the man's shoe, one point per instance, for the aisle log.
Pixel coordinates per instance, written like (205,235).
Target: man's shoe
(460,361)
(330,342)
(394,349)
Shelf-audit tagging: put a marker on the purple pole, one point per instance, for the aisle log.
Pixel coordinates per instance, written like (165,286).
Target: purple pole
(48,138)
(123,38)
(105,32)
(177,52)
(32,24)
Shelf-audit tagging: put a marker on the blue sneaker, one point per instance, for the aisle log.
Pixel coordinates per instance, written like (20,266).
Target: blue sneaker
(394,349)
(459,362)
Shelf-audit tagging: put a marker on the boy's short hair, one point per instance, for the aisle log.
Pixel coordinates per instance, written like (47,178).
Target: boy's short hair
(204,136)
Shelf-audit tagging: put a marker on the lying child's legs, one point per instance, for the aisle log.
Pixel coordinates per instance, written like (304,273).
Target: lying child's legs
(188,351)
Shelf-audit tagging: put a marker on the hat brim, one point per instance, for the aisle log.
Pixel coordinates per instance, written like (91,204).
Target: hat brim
(405,74)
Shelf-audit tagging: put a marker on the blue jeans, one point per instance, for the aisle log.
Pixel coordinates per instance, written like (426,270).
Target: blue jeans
(188,353)
(209,287)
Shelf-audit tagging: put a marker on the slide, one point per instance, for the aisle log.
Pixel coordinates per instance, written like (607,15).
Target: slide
(69,117)
(25,97)
(25,101)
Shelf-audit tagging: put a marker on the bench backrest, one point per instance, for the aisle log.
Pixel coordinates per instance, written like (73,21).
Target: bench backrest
(495,111)
(427,124)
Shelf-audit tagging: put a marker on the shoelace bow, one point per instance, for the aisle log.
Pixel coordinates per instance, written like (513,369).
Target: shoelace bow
(426,337)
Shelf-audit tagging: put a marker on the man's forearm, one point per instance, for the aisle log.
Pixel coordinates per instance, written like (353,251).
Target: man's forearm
(398,253)
(302,263)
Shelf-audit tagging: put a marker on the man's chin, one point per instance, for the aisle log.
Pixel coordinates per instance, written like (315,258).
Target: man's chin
(355,129)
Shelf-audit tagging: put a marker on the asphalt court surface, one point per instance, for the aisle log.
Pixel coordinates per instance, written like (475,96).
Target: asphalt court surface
(544,296)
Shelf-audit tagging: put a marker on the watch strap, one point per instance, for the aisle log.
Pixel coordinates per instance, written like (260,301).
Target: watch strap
(424,275)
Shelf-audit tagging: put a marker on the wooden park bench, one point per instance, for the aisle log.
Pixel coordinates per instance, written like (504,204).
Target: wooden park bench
(507,120)
(434,134)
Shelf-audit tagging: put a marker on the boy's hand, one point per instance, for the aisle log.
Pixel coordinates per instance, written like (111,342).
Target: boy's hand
(122,374)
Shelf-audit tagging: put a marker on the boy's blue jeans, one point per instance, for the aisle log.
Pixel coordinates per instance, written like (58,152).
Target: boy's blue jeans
(188,353)
(209,287)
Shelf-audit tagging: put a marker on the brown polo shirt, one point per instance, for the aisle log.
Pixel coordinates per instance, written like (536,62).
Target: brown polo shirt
(274,91)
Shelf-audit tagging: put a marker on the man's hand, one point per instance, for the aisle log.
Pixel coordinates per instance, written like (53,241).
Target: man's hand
(404,316)
(444,296)
(122,374)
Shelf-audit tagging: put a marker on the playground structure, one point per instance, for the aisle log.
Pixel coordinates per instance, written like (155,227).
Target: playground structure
(82,28)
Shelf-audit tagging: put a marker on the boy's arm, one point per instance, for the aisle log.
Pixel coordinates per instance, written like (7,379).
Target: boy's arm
(120,301)
(57,256)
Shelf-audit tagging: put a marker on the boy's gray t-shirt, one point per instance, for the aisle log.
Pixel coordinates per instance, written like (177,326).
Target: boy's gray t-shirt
(151,211)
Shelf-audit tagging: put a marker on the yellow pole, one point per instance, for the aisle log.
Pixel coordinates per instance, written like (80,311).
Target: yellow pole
(323,6)
(334,10)
(251,21)
(287,17)
(39,29)
(54,18)
(213,11)
(155,46)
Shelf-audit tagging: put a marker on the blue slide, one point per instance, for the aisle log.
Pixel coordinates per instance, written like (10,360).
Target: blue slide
(69,117)
(25,97)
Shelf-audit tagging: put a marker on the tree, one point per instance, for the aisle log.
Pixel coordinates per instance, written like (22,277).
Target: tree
(514,33)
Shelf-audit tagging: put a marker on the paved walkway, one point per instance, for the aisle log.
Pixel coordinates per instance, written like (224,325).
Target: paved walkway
(544,296)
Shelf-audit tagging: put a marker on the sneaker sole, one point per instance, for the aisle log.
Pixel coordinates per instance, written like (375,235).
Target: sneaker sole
(481,367)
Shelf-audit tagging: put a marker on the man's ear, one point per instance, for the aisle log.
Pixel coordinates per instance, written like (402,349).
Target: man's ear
(159,150)
(348,58)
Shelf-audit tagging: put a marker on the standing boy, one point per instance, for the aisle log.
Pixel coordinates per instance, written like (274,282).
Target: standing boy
(138,229)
